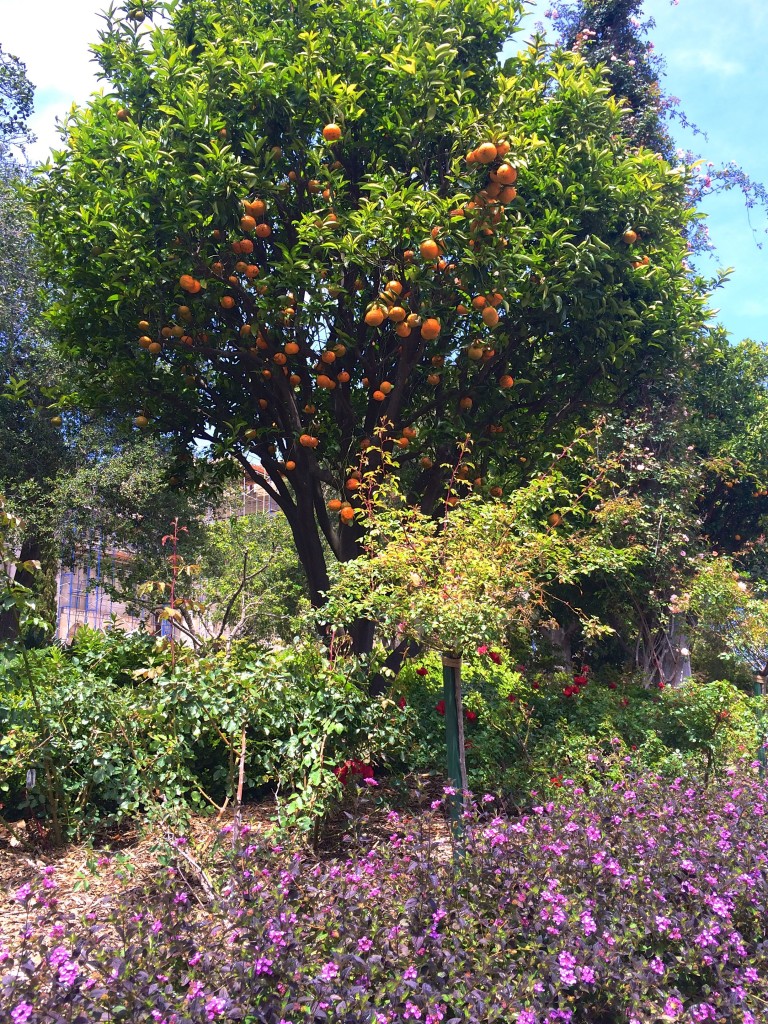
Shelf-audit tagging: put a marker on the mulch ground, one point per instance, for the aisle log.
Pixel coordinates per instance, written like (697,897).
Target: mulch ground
(89,876)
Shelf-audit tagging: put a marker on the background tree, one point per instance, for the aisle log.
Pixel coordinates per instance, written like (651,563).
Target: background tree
(288,224)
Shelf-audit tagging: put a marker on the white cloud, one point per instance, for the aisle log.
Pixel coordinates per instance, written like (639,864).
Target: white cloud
(709,61)
(52,38)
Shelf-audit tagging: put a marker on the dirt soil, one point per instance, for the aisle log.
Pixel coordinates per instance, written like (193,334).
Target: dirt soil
(89,876)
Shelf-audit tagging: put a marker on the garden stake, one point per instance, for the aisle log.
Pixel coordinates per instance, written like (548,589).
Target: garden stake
(454,738)
(761,753)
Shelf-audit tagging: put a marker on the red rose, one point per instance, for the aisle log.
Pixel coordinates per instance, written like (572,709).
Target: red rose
(567,691)
(624,701)
(661,684)
(556,780)
(401,702)
(580,680)
(471,716)
(495,657)
(512,698)
(534,686)
(482,649)
(611,686)
(440,707)
(422,671)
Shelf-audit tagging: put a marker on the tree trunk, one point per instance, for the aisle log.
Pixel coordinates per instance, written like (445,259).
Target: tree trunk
(9,620)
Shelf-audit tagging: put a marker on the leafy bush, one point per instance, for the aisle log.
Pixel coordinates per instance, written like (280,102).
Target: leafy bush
(643,903)
(111,729)
(523,730)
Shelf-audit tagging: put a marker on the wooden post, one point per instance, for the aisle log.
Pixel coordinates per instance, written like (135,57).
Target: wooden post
(761,679)
(454,737)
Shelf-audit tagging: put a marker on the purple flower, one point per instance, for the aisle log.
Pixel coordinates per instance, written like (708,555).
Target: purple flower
(329,971)
(21,1013)
(365,944)
(410,974)
(412,1011)
(22,895)
(215,1007)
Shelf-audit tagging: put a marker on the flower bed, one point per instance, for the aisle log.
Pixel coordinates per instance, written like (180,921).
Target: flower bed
(644,902)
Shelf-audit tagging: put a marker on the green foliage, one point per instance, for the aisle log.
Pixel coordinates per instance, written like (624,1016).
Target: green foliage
(16,98)
(208,108)
(528,734)
(114,732)
(249,582)
(484,571)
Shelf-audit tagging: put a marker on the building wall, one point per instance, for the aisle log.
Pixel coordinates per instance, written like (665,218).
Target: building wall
(81,597)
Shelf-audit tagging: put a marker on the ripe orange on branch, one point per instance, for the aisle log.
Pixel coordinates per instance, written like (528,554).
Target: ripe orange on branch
(332,133)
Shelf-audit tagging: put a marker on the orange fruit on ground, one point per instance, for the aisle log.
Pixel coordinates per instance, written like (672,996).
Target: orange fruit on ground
(629,236)
(430,329)
(507,381)
(291,349)
(263,230)
(506,174)
(247,223)
(429,249)
(378,396)
(490,316)
(374,317)
(332,133)
(486,153)
(334,504)
(347,514)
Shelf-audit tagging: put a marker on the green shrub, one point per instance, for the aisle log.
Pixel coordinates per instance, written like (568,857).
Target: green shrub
(111,730)
(528,734)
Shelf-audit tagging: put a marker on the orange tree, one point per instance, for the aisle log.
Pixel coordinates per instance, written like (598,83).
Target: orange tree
(287,224)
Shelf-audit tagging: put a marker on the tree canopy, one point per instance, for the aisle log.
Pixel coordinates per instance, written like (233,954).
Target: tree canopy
(286,226)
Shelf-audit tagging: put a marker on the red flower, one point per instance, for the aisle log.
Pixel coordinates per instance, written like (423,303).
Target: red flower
(483,649)
(421,671)
(624,701)
(661,684)
(495,657)
(611,686)
(512,698)
(401,702)
(534,686)
(440,707)
(341,772)
(520,669)
(556,780)
(568,691)
(580,680)
(471,716)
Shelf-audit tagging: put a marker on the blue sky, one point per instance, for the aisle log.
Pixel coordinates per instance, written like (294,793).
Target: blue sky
(716,66)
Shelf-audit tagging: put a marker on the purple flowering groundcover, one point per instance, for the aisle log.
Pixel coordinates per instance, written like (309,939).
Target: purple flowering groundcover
(644,902)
